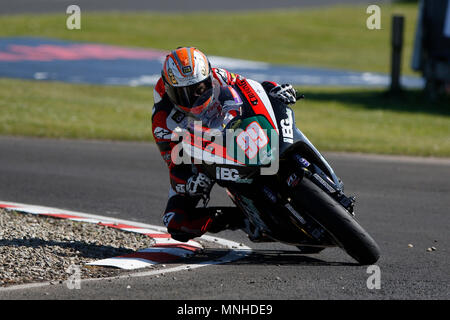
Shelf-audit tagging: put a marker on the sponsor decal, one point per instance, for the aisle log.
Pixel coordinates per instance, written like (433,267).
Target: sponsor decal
(260,102)
(286,127)
(222,74)
(252,139)
(180,188)
(248,91)
(270,195)
(187,69)
(302,161)
(227,174)
(295,213)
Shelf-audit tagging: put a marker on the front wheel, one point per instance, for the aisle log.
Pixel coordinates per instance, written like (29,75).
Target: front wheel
(346,231)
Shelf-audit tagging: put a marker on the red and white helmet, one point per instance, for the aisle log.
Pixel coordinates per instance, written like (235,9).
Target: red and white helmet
(187,75)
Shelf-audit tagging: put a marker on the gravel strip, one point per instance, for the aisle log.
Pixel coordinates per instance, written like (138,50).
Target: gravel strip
(37,248)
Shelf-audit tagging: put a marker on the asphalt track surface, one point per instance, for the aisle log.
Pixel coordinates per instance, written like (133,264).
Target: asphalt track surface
(400,201)
(44,6)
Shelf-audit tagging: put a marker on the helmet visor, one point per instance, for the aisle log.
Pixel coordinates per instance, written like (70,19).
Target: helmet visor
(186,97)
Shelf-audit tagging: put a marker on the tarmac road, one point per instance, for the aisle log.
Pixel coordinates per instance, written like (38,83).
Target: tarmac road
(400,201)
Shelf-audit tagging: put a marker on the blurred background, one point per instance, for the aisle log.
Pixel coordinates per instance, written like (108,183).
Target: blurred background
(381,89)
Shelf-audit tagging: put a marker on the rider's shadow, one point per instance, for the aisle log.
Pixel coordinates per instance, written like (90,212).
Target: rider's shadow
(270,257)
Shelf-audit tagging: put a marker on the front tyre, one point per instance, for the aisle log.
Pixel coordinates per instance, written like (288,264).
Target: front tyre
(349,235)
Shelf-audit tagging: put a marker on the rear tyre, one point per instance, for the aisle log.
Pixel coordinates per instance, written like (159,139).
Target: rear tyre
(348,234)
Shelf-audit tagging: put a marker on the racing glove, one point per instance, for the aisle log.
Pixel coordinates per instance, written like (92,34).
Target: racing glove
(198,185)
(284,92)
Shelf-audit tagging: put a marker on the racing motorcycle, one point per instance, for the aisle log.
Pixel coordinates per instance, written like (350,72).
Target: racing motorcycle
(249,144)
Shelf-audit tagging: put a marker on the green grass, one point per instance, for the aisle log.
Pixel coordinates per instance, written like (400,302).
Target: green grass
(359,120)
(334,37)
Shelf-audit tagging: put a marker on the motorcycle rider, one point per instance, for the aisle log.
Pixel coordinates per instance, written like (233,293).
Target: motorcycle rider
(185,76)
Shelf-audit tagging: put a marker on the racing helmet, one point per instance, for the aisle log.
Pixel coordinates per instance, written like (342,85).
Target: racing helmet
(187,75)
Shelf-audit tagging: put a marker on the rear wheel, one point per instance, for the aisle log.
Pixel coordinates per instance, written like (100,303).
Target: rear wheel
(348,234)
